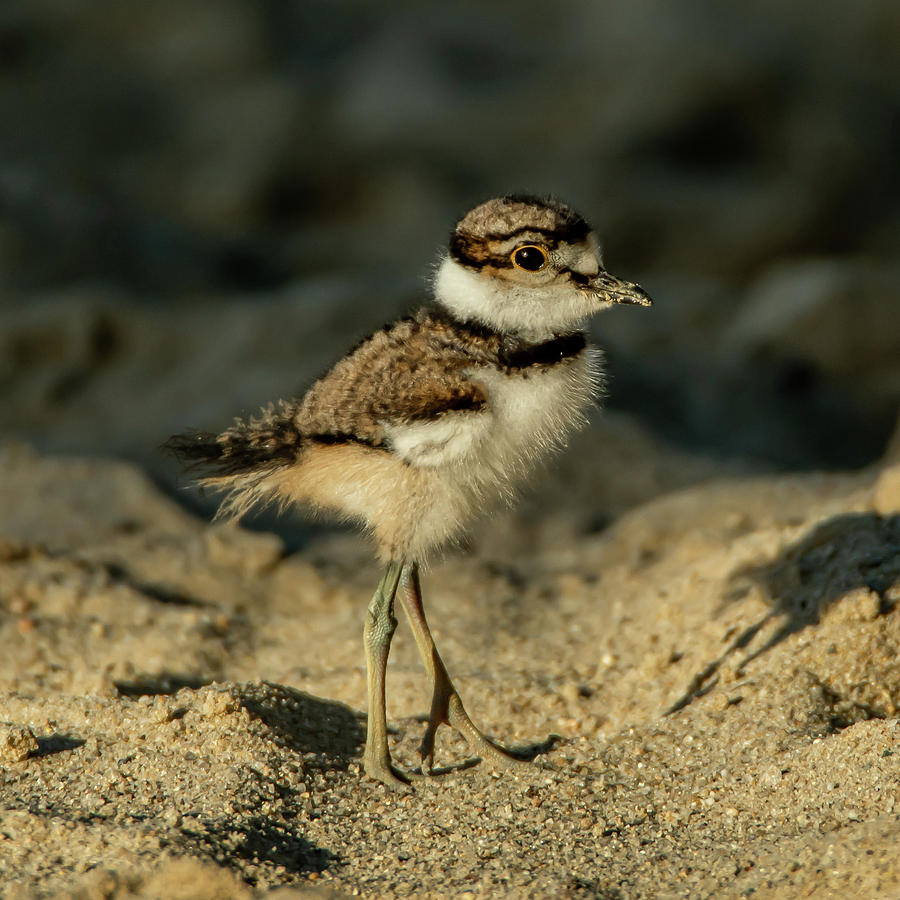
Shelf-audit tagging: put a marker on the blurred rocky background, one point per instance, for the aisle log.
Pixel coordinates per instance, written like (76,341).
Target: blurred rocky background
(202,204)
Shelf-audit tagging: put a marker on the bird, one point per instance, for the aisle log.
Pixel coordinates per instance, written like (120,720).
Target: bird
(432,419)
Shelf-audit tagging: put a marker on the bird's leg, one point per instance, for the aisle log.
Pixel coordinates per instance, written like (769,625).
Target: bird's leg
(446,706)
(379,629)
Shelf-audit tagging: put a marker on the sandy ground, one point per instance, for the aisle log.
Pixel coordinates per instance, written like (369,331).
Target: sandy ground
(710,686)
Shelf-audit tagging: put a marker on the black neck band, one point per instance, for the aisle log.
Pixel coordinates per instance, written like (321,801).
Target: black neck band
(521,355)
(513,352)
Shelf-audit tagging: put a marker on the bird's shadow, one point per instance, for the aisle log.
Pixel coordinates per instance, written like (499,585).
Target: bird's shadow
(530,752)
(449,768)
(839,555)
(523,753)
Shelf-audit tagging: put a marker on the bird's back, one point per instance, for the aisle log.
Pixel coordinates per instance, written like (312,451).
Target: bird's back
(408,371)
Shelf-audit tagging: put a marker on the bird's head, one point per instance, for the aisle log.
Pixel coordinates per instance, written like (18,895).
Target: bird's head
(527,266)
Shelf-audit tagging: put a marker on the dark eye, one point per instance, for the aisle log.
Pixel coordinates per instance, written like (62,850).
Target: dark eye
(531,258)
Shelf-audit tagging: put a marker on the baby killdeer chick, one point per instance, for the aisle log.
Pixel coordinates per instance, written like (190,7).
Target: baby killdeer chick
(429,420)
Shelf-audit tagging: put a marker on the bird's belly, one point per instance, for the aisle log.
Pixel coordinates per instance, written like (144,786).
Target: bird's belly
(411,510)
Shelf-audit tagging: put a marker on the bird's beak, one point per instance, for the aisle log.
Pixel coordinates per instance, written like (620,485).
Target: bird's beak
(609,289)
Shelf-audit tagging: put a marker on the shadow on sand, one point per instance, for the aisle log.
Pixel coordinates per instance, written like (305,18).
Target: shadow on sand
(306,724)
(326,735)
(257,840)
(839,555)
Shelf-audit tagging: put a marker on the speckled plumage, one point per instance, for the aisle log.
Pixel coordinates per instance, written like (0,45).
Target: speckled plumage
(428,369)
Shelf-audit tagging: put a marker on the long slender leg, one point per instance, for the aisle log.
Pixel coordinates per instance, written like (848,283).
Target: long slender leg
(379,629)
(446,706)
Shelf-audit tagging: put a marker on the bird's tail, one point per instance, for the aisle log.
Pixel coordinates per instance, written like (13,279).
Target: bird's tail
(244,460)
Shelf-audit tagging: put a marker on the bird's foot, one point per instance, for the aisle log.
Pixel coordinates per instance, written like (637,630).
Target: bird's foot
(381,770)
(453,713)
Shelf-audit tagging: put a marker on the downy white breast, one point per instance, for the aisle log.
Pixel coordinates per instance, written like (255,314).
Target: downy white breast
(533,411)
(458,464)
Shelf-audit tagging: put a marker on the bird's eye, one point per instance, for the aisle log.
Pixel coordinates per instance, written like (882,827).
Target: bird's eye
(530,258)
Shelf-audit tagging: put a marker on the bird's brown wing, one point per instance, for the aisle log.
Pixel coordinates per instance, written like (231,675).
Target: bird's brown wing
(403,375)
(404,390)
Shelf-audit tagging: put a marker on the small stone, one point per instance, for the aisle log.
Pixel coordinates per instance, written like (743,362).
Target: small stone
(720,701)
(219,703)
(17,742)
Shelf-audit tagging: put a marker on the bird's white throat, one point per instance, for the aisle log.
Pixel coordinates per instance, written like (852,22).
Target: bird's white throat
(533,312)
